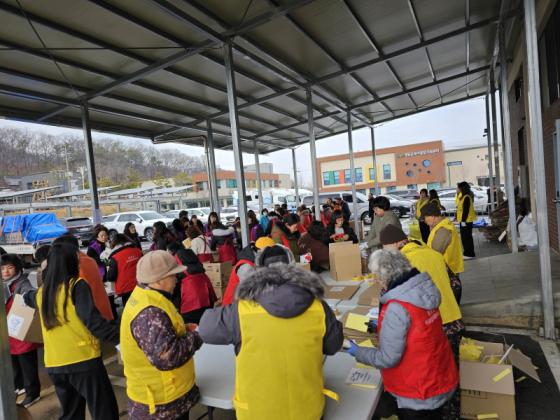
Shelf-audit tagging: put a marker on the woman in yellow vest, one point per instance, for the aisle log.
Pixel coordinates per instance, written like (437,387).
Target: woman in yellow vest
(72,330)
(156,348)
(422,201)
(466,215)
(281,328)
(445,240)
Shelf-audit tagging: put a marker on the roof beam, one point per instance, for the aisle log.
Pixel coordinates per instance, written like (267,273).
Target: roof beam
(467,42)
(393,95)
(161,64)
(205,30)
(149,105)
(421,38)
(375,46)
(76,103)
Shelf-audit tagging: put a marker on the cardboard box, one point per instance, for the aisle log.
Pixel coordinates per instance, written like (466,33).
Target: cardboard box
(488,388)
(370,296)
(341,292)
(345,260)
(304,266)
(357,336)
(24,323)
(218,273)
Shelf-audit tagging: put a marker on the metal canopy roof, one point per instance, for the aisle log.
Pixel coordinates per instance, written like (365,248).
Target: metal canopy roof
(155,68)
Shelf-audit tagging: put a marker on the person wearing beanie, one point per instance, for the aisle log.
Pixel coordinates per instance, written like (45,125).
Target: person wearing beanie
(281,328)
(23,353)
(445,240)
(197,293)
(156,348)
(244,267)
(383,217)
(426,260)
(274,255)
(73,330)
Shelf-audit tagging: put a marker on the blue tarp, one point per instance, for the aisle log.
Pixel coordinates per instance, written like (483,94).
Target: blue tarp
(33,227)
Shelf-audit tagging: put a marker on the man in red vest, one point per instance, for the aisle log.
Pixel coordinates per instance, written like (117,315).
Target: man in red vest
(414,356)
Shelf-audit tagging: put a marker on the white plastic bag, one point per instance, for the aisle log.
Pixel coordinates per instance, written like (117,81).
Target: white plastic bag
(528,232)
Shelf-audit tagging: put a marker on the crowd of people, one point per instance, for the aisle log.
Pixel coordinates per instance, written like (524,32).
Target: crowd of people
(273,312)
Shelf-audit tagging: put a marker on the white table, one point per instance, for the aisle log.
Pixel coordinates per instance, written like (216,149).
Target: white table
(215,376)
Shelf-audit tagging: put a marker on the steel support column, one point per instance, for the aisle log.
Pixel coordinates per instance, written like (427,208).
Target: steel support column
(489,139)
(258,176)
(236,141)
(496,154)
(7,400)
(296,186)
(537,157)
(507,143)
(374,157)
(211,168)
(313,152)
(353,175)
(90,163)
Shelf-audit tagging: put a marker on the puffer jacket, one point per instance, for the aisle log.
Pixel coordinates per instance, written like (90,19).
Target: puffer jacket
(284,291)
(389,218)
(419,290)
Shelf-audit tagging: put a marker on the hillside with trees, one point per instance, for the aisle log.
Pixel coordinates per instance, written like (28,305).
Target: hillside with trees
(27,152)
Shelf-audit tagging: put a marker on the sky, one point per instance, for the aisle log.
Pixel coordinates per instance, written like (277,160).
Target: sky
(457,125)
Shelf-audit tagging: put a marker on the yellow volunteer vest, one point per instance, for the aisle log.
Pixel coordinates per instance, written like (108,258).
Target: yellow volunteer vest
(453,255)
(71,342)
(146,384)
(426,260)
(279,368)
(419,205)
(460,203)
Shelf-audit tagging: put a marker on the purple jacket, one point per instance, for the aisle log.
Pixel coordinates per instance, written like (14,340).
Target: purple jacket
(94,251)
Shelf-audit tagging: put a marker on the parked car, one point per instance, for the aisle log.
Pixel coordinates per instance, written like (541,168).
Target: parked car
(400,206)
(80,227)
(201,213)
(363,204)
(228,215)
(143,220)
(405,194)
(447,200)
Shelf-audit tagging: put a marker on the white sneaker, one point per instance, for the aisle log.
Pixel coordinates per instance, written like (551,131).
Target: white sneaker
(467,258)
(19,391)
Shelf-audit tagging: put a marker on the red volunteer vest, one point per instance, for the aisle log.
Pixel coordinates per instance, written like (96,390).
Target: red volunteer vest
(233,282)
(196,292)
(126,259)
(18,346)
(227,252)
(427,367)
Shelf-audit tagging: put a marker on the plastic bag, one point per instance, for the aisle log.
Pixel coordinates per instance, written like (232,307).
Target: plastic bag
(528,232)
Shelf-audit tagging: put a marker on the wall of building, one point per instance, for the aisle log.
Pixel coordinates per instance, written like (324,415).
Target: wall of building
(411,166)
(473,165)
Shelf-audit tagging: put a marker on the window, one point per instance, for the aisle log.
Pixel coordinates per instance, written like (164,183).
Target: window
(372,174)
(393,188)
(426,163)
(412,187)
(347,179)
(359,175)
(409,173)
(550,51)
(128,218)
(109,218)
(151,215)
(433,185)
(231,183)
(326,178)
(386,171)
(336,177)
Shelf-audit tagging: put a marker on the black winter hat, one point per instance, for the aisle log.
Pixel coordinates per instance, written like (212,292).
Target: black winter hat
(391,234)
(431,209)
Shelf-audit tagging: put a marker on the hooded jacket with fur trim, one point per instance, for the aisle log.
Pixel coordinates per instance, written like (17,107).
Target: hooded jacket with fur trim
(284,291)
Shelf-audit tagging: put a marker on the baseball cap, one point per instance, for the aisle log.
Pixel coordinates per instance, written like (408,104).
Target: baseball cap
(264,241)
(157,265)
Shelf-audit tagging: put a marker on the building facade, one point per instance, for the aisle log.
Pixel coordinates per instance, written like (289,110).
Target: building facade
(414,166)
(227,181)
(548,33)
